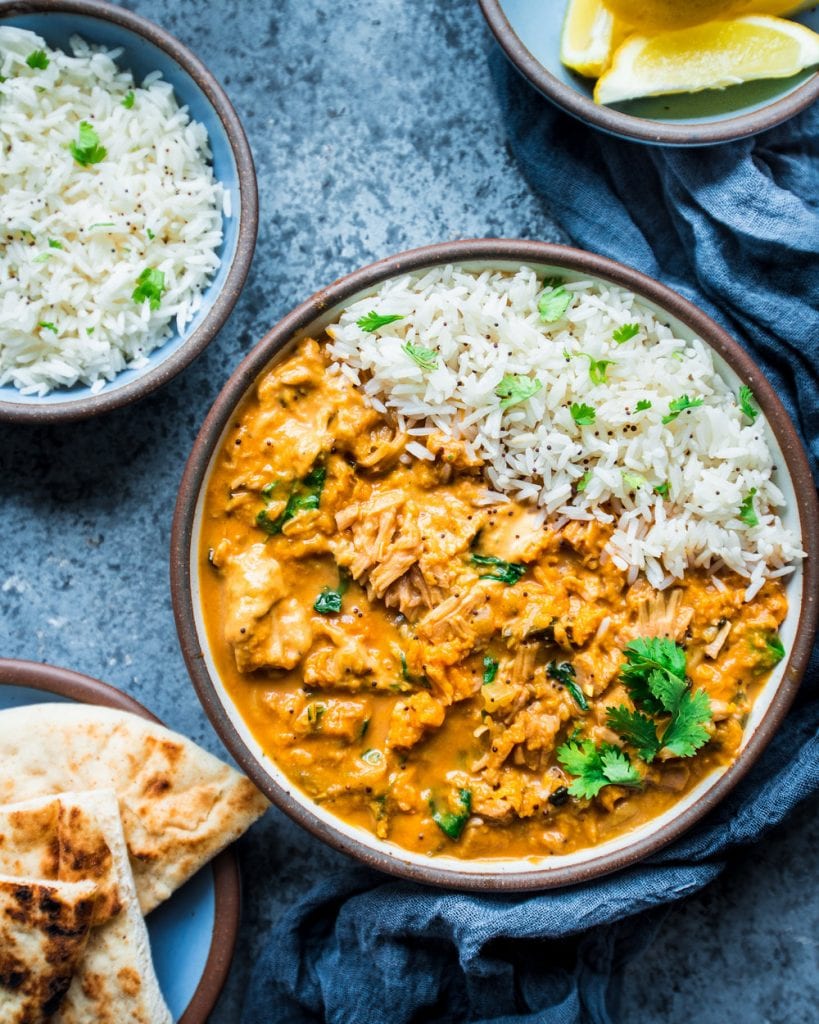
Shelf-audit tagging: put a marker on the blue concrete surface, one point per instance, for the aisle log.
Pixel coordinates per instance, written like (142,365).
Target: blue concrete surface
(374,128)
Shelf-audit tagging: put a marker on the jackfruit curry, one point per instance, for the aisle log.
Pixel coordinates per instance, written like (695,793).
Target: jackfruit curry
(455,677)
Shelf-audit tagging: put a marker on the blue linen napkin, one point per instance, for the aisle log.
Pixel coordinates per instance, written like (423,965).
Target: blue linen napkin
(736,229)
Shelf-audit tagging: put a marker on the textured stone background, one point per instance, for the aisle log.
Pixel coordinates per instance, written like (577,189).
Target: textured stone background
(374,128)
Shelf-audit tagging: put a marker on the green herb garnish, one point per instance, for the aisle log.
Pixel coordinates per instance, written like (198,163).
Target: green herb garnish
(372,321)
(505,572)
(516,388)
(654,674)
(490,669)
(452,823)
(633,481)
(642,405)
(87,149)
(596,767)
(583,415)
(770,649)
(746,403)
(38,60)
(128,99)
(315,713)
(662,489)
(552,305)
(583,482)
(598,368)
(304,495)
(678,405)
(328,602)
(747,513)
(626,333)
(44,257)
(151,235)
(47,326)
(426,358)
(565,675)
(150,286)
(54,244)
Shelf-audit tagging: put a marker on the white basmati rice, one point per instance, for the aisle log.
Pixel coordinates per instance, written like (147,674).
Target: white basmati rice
(74,239)
(484,326)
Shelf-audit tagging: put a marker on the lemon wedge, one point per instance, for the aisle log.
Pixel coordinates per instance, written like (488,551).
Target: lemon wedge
(710,56)
(589,38)
(649,15)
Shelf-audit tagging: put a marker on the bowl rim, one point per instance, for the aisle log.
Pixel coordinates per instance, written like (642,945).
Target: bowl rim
(640,129)
(527,252)
(226,878)
(214,319)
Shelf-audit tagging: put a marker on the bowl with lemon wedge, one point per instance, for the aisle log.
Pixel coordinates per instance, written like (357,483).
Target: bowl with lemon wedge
(665,72)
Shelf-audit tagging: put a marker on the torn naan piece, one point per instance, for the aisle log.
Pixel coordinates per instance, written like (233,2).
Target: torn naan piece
(56,838)
(115,982)
(44,928)
(180,805)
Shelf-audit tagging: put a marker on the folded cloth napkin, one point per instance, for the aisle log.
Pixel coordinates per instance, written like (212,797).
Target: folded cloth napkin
(736,229)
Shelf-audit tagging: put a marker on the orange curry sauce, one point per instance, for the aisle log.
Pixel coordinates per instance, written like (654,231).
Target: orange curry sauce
(381,711)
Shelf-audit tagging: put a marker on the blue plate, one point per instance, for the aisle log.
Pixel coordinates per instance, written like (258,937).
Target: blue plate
(148,48)
(529,32)
(192,934)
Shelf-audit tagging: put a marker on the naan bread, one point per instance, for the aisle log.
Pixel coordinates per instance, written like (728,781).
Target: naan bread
(180,805)
(43,933)
(115,982)
(55,838)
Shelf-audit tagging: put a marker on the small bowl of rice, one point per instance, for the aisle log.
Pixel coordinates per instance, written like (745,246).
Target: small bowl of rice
(575,395)
(129,212)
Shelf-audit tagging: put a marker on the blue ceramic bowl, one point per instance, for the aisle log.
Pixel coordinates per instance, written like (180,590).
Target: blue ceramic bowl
(149,48)
(529,34)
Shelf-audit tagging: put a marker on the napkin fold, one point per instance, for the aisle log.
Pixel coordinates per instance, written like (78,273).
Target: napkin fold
(734,228)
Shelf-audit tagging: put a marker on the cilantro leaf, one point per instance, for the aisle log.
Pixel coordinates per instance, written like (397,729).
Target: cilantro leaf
(304,495)
(654,666)
(642,405)
(149,287)
(626,333)
(38,60)
(328,602)
(150,234)
(505,572)
(747,513)
(633,481)
(552,305)
(678,405)
(128,99)
(426,358)
(87,149)
(617,767)
(583,482)
(596,767)
(746,403)
(662,489)
(54,244)
(516,388)
(598,368)
(372,321)
(566,675)
(47,326)
(583,415)
(452,823)
(490,669)
(636,729)
(769,650)
(686,731)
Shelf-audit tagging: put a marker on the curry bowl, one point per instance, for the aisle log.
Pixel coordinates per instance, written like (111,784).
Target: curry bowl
(529,33)
(196,604)
(146,48)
